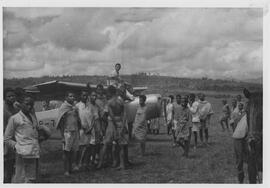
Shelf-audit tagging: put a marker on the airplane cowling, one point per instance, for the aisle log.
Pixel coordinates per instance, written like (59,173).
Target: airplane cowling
(153,102)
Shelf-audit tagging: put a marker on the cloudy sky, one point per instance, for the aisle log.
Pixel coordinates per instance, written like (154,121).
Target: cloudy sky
(183,42)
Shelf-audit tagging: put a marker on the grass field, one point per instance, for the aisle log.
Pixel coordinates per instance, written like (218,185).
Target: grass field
(162,163)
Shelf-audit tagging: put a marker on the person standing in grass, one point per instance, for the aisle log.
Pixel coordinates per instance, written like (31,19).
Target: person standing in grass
(149,128)
(84,140)
(101,102)
(116,130)
(169,113)
(9,154)
(140,124)
(225,115)
(205,111)
(22,136)
(176,107)
(234,111)
(239,141)
(155,125)
(196,124)
(182,118)
(69,124)
(92,126)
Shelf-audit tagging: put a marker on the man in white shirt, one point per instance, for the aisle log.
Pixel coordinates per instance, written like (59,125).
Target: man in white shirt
(114,79)
(22,135)
(205,111)
(239,142)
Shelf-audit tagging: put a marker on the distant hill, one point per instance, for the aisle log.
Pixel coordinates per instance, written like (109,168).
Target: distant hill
(155,83)
(255,80)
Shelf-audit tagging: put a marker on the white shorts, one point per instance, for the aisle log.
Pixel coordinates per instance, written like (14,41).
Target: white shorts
(196,126)
(71,141)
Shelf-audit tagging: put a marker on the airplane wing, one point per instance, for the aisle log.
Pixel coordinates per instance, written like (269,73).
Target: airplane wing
(55,89)
(137,90)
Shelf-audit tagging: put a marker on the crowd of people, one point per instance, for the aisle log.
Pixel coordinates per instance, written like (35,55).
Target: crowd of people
(96,120)
(94,130)
(187,116)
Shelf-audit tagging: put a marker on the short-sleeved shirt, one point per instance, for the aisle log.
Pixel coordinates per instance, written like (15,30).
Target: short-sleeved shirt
(195,112)
(169,112)
(205,109)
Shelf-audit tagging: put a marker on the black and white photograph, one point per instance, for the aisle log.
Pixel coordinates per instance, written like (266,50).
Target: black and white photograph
(133,94)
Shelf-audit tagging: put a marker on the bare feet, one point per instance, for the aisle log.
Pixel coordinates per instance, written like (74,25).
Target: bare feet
(121,168)
(76,168)
(100,166)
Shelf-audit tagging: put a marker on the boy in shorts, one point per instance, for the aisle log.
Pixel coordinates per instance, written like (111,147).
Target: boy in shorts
(205,111)
(69,124)
(196,125)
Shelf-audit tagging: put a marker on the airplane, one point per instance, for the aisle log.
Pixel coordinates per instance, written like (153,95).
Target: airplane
(55,90)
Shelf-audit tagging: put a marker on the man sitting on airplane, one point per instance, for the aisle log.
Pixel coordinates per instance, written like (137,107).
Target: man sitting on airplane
(115,80)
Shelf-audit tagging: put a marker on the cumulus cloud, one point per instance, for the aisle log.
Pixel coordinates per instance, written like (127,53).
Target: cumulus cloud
(219,43)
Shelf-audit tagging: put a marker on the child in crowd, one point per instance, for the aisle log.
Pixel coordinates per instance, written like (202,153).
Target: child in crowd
(196,124)
(225,115)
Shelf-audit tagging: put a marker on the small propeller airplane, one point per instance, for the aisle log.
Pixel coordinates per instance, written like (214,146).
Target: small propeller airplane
(55,90)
